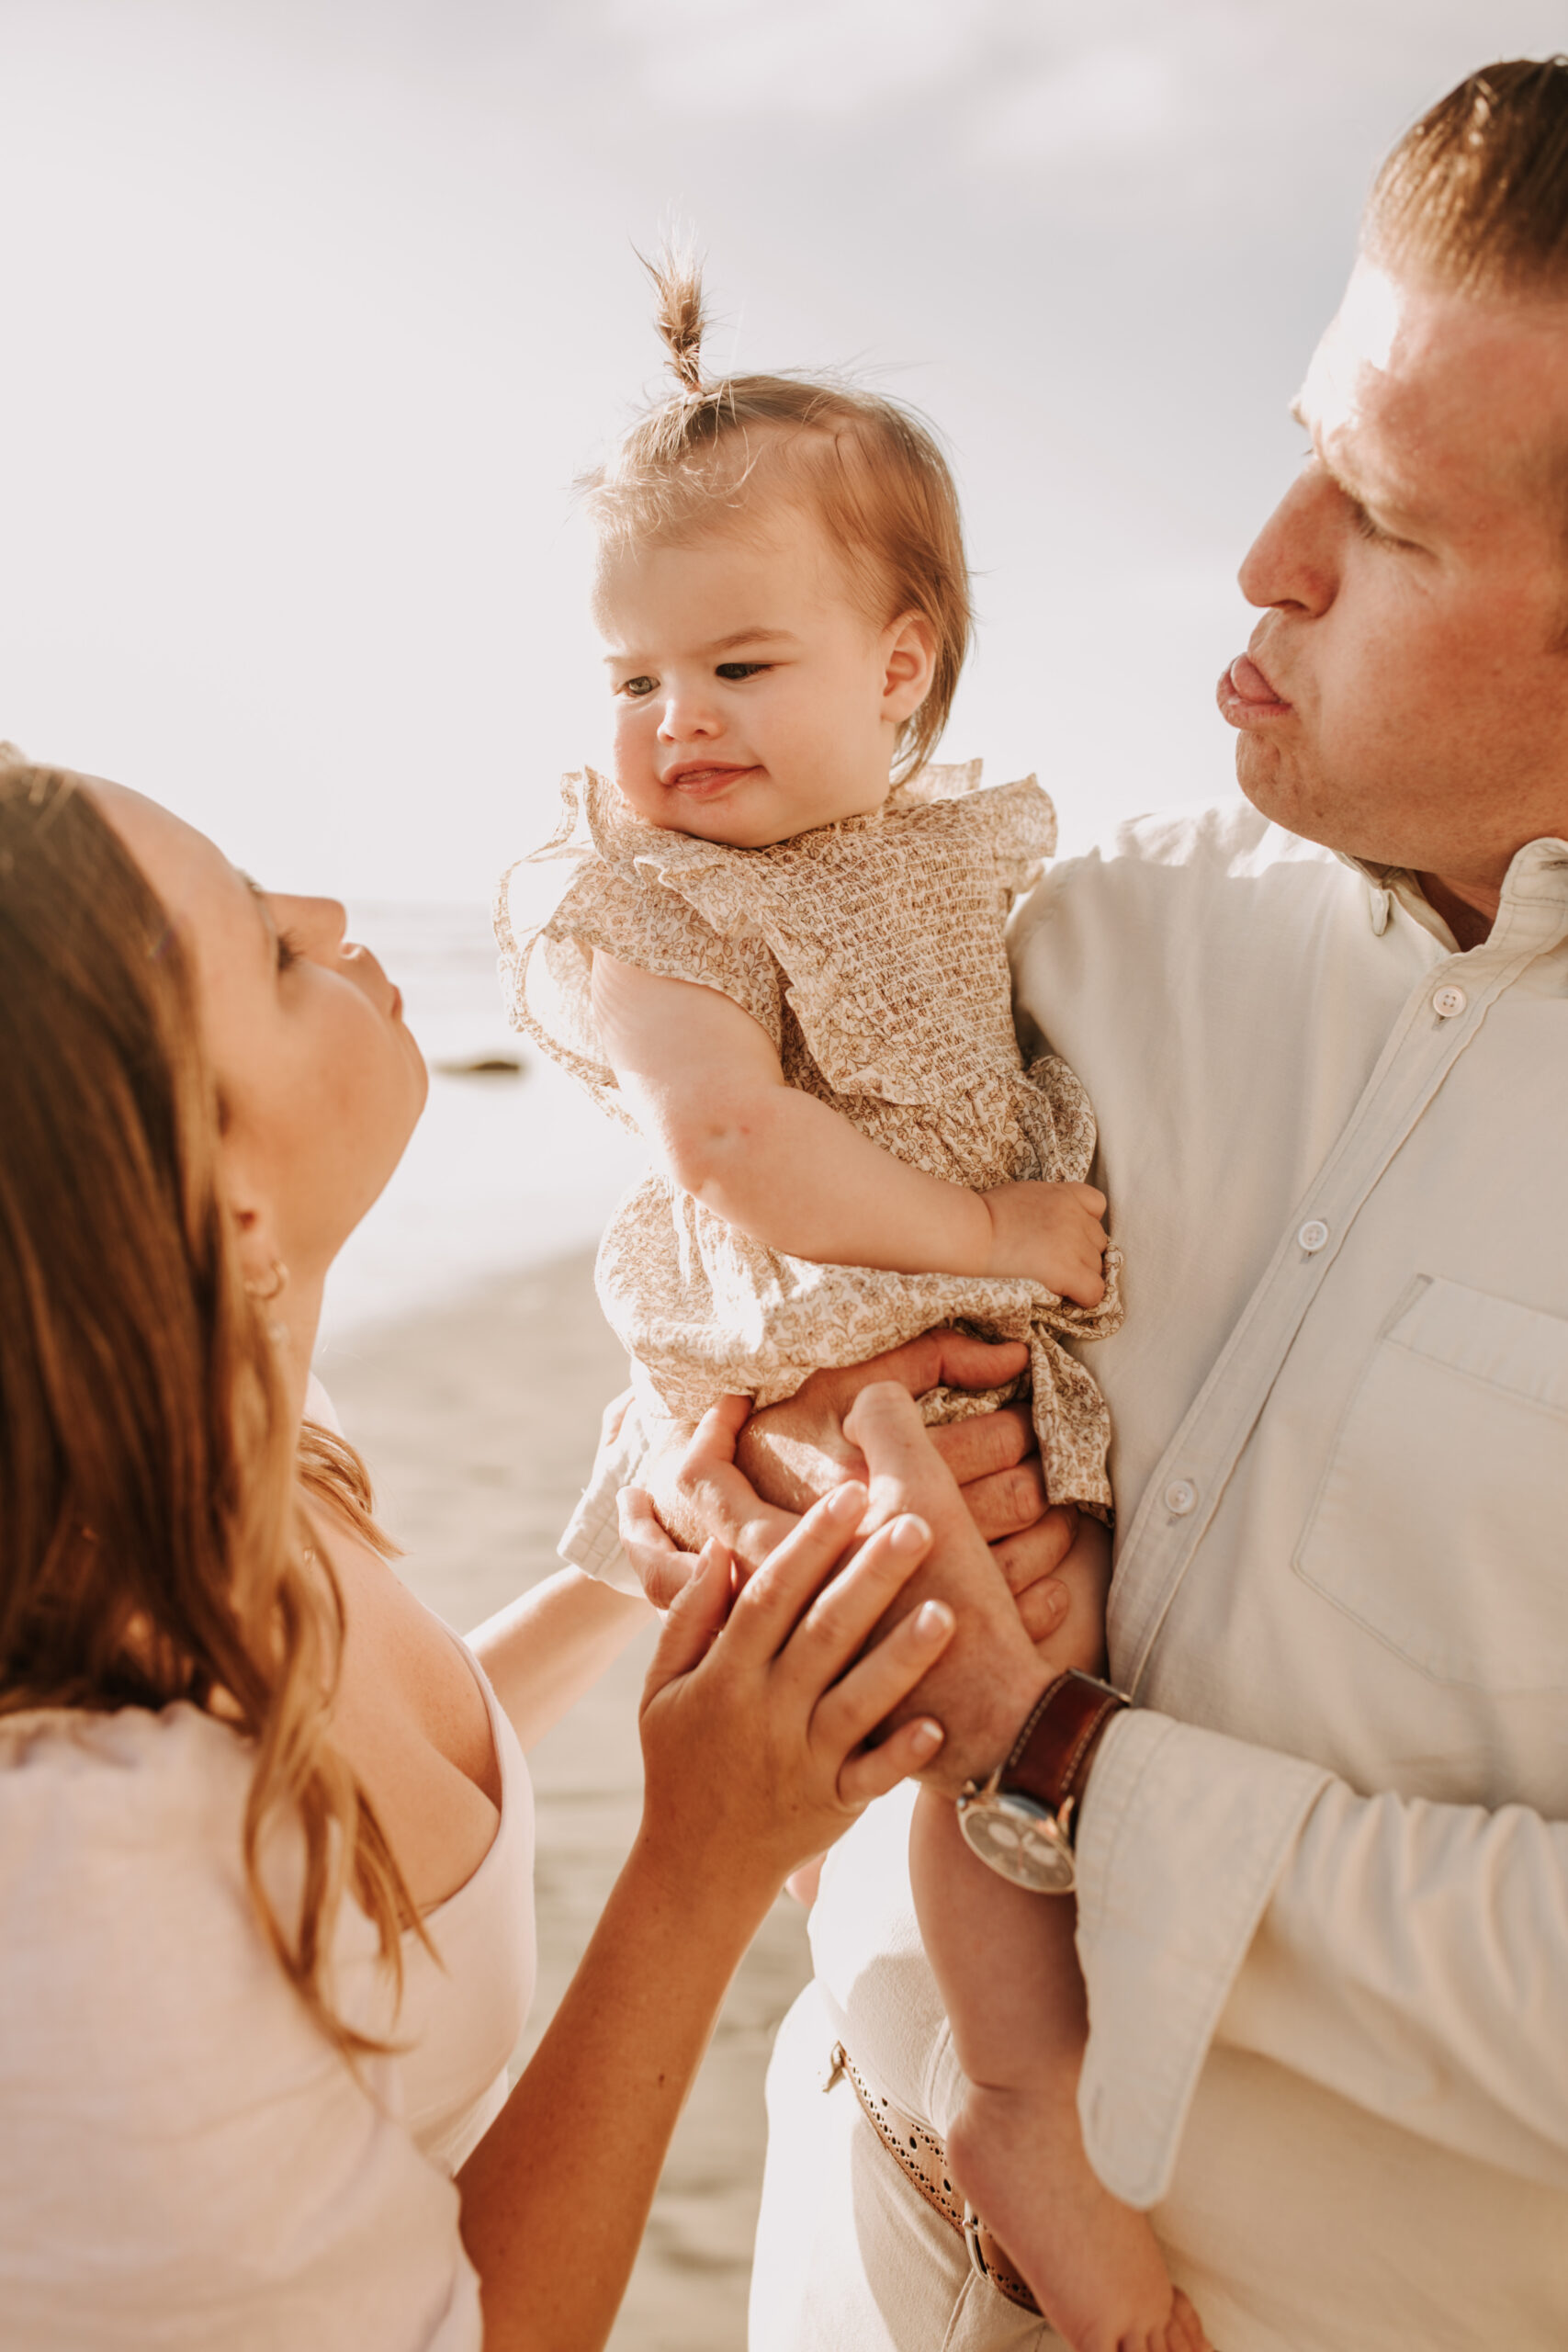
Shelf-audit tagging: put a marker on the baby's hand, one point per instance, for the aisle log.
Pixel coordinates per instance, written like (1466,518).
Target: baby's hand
(1052,1233)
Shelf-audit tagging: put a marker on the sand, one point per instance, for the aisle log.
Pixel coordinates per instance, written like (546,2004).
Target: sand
(478,1421)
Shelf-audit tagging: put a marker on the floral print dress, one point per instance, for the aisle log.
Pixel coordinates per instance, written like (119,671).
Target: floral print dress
(872,952)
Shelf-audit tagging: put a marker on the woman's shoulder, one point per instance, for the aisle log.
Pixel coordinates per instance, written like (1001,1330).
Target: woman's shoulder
(113,1783)
(178,2135)
(121,1854)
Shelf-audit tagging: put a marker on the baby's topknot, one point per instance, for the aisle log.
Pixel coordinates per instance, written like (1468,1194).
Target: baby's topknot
(718,451)
(682,316)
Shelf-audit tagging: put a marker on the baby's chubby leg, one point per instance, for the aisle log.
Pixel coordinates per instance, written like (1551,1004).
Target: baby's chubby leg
(1008,1968)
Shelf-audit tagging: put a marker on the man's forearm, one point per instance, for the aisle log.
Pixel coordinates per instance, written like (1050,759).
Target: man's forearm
(982,1696)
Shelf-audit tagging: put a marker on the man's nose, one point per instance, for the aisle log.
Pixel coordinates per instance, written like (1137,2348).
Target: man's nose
(1294,559)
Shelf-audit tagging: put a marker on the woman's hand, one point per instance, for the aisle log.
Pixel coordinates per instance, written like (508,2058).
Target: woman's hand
(744,1477)
(754,1726)
(759,1705)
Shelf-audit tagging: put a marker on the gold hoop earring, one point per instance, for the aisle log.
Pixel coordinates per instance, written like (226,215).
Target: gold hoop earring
(274,1285)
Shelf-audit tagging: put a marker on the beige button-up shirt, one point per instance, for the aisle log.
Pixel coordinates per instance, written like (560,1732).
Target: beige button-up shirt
(1324,1870)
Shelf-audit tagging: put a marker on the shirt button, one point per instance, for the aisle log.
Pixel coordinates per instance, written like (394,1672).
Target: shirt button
(1313,1234)
(1179,1496)
(1447,1001)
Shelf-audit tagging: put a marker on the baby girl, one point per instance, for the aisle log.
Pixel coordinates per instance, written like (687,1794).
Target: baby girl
(779,950)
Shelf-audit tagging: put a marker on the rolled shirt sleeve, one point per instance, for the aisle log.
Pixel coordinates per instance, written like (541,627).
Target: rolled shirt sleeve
(1411,1957)
(1183,1838)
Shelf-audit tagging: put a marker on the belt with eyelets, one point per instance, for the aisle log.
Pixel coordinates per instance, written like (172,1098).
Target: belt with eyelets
(923,2160)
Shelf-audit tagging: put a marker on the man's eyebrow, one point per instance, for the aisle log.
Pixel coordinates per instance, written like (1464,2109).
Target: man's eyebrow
(1387,502)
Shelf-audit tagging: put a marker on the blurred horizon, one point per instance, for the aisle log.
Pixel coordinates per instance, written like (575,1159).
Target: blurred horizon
(316,312)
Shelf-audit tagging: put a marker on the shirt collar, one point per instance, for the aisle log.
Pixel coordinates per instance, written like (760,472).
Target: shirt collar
(1533,909)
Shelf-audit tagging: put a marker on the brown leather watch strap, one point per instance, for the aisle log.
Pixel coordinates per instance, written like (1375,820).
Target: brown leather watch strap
(1050,1753)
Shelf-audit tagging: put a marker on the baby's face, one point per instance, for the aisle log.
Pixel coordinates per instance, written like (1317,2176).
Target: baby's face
(753,698)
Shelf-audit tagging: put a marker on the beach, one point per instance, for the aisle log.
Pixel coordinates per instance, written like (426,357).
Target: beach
(478,1415)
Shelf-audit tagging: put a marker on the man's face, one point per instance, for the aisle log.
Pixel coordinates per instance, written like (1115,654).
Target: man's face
(1405,696)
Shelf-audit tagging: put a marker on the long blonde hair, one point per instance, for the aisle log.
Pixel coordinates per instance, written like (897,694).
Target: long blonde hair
(152,1543)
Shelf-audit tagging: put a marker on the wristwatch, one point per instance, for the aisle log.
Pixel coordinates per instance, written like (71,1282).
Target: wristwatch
(1023,1820)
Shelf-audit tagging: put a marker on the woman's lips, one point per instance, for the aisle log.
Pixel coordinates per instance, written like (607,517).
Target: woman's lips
(1244,694)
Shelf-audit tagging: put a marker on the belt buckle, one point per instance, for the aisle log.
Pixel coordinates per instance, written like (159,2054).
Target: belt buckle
(977,2263)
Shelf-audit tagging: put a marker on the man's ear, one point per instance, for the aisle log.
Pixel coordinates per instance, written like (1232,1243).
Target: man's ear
(909,665)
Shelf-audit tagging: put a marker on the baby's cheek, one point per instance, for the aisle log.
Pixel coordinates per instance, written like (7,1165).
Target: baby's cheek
(635,778)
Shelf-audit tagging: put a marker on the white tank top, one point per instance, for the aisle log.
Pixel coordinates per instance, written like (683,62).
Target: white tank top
(184,2159)
(465,2017)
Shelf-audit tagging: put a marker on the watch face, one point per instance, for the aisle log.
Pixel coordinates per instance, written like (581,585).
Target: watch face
(1020,1839)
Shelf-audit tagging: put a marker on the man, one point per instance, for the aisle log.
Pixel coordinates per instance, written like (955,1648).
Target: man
(1322,1879)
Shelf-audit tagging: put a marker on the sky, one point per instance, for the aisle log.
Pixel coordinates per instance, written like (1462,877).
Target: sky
(313,310)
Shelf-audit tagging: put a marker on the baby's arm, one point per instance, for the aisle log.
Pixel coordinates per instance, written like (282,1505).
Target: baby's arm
(704,1081)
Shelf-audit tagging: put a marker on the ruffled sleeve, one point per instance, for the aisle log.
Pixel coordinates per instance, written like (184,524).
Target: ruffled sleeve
(889,930)
(616,877)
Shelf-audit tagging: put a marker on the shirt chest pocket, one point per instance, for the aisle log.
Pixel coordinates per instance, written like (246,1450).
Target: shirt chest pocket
(1441,1519)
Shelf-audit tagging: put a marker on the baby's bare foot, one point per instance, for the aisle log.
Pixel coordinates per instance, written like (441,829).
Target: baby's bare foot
(1092,2262)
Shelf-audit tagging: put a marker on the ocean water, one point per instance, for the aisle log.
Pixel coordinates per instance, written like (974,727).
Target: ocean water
(511,1165)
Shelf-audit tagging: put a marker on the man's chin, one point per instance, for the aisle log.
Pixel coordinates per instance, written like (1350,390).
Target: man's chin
(1275,787)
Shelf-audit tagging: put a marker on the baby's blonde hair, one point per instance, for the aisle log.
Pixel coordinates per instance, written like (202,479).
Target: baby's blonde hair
(868,467)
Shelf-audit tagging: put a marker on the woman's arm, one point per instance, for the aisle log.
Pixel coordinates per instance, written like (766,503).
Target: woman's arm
(550,1645)
(754,1735)
(704,1084)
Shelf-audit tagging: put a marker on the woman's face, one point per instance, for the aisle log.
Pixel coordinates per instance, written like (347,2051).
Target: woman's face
(321,1081)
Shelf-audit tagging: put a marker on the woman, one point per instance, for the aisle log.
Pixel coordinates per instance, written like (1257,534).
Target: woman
(266,1927)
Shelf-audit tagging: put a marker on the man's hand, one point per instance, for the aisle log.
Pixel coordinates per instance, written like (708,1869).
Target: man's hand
(988,1678)
(990,1675)
(993,1673)
(744,1481)
(795,1452)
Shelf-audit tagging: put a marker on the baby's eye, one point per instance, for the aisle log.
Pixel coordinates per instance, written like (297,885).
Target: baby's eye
(289,951)
(636,689)
(741,669)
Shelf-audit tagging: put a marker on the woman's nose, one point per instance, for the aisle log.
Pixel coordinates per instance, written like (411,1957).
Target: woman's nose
(1294,560)
(319,924)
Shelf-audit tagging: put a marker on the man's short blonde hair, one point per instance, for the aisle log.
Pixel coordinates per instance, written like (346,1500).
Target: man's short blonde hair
(1476,193)
(719,451)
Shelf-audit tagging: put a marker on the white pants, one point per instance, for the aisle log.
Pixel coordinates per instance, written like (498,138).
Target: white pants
(849,2257)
